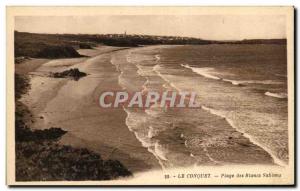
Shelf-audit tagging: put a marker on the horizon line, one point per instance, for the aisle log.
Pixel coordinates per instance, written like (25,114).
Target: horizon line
(284,38)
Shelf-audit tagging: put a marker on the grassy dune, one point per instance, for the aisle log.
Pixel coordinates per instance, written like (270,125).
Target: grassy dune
(47,46)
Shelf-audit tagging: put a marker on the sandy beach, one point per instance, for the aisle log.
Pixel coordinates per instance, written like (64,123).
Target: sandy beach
(73,106)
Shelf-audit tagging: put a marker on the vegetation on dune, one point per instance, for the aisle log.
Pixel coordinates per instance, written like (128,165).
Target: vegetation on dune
(21,85)
(85,46)
(21,59)
(58,52)
(47,46)
(49,161)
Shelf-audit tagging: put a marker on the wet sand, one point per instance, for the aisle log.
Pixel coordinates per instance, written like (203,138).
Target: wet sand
(73,106)
(29,65)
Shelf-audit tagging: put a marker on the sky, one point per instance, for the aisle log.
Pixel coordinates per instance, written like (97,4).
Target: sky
(211,27)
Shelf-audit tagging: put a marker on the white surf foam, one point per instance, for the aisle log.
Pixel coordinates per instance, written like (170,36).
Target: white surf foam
(231,123)
(265,82)
(281,75)
(277,95)
(157,56)
(156,68)
(160,161)
(135,122)
(233,82)
(205,71)
(159,152)
(146,140)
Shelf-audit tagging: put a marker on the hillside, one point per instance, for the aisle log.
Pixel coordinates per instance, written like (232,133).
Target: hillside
(65,45)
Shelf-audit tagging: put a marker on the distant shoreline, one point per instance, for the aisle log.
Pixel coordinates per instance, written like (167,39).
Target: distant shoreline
(65,45)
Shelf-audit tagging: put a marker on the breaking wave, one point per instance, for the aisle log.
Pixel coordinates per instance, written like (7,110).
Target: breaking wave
(277,95)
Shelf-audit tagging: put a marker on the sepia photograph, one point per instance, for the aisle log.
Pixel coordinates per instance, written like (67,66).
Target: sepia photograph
(150,95)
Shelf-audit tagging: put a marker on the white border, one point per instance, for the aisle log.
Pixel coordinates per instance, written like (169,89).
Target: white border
(4,3)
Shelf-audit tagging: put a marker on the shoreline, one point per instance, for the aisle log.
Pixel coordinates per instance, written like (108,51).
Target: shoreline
(77,113)
(276,160)
(234,143)
(40,140)
(80,138)
(39,157)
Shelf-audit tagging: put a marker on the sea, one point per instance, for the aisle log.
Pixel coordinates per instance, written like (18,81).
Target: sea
(242,91)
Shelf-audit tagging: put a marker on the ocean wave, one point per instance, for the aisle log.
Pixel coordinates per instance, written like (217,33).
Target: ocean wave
(134,122)
(205,71)
(160,161)
(231,123)
(157,56)
(121,82)
(146,133)
(153,111)
(160,151)
(137,122)
(242,82)
(277,95)
(128,57)
(156,68)
(233,82)
(281,75)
